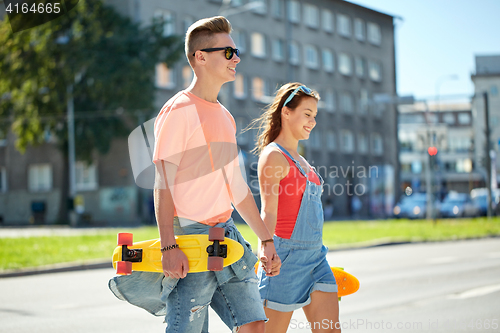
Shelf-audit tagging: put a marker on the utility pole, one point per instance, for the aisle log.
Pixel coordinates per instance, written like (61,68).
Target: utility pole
(71,155)
(488,148)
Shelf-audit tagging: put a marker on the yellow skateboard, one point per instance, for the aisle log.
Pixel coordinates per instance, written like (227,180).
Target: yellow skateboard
(204,252)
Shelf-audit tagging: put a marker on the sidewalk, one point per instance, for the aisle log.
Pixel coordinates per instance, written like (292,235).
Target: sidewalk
(46,230)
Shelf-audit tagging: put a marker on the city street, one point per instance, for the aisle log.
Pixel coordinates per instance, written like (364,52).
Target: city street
(428,287)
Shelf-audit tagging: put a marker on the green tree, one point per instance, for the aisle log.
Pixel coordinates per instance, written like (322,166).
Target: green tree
(107,59)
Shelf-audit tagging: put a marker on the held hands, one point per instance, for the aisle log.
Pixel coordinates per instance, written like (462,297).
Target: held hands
(175,264)
(269,259)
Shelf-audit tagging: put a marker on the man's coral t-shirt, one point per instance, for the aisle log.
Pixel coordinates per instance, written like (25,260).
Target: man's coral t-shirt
(200,138)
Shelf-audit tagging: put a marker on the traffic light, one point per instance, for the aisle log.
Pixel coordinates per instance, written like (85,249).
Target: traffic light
(432,151)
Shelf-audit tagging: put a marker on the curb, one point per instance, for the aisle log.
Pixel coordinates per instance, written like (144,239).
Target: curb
(99,264)
(57,268)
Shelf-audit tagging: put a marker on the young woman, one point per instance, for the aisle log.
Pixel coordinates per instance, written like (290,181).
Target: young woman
(292,211)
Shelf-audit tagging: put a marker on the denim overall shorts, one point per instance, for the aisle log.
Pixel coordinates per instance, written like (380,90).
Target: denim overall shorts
(304,266)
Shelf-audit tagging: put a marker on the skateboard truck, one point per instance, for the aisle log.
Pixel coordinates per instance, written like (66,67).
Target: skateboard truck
(216,251)
(124,267)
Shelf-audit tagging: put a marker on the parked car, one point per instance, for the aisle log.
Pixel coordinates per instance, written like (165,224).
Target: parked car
(480,198)
(413,206)
(458,205)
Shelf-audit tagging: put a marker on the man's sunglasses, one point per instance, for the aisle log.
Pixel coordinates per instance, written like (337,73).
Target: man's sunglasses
(228,51)
(302,88)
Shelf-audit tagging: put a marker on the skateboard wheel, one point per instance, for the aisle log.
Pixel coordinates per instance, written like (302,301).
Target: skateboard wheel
(215,263)
(216,234)
(123,267)
(125,238)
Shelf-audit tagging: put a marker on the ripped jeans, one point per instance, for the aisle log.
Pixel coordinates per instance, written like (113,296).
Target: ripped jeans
(232,292)
(237,302)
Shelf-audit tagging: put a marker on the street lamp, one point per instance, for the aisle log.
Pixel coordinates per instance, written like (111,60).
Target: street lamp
(440,81)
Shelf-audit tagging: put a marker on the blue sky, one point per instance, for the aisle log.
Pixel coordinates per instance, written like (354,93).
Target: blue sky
(437,38)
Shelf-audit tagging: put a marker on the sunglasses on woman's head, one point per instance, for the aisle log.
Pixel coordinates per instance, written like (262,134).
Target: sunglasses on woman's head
(229,51)
(302,88)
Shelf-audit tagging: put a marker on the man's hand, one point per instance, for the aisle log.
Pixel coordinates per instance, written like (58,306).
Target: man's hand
(175,264)
(271,266)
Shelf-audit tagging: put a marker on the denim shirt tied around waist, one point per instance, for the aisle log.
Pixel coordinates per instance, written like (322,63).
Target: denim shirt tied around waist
(150,290)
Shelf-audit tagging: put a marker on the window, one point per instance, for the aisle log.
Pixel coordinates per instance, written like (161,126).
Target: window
(294,11)
(464,165)
(311,55)
(315,139)
(416,167)
(346,102)
(432,118)
(328,64)
(344,25)
(359,64)
(3,179)
(327,20)
(262,9)
(347,141)
(187,22)
(374,34)
(278,49)
(331,142)
(258,45)
(345,66)
(165,77)
(464,118)
(187,76)
(377,144)
(494,90)
(311,16)
(239,40)
(374,71)
(449,118)
(362,143)
(359,29)
(294,53)
(459,144)
(168,21)
(329,100)
(363,101)
(277,8)
(260,89)
(40,177)
(378,109)
(137,11)
(85,176)
(239,86)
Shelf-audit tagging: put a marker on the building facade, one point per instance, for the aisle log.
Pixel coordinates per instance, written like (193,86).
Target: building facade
(486,79)
(345,51)
(449,128)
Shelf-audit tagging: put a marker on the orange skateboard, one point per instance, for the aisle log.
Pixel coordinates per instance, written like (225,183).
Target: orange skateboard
(347,284)
(204,252)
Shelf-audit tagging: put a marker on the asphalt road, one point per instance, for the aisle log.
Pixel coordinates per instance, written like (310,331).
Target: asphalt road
(430,287)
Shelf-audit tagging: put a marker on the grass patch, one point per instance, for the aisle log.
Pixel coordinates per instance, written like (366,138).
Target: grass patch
(38,251)
(342,233)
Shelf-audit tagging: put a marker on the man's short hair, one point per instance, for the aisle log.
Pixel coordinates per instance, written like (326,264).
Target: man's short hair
(200,34)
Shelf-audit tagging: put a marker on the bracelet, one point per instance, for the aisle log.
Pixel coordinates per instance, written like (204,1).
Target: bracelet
(267,241)
(170,247)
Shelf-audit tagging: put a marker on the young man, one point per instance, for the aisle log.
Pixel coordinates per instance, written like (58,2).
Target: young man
(197,178)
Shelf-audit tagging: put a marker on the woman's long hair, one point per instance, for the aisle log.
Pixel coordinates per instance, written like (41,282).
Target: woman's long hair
(269,123)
